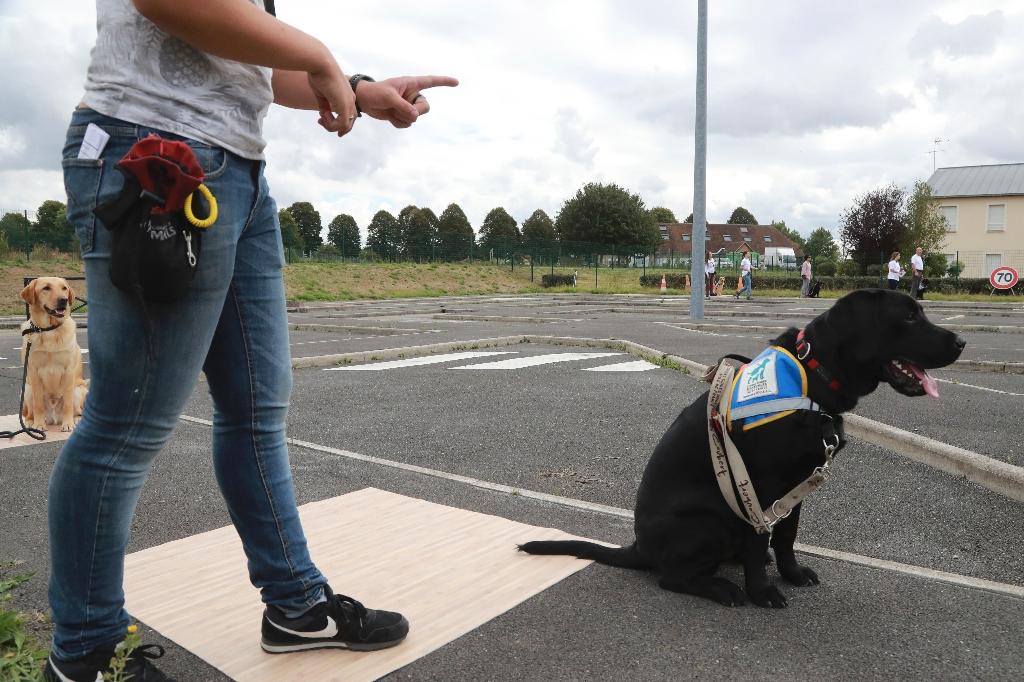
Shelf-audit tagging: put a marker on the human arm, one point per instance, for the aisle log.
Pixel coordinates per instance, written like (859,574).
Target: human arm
(396,100)
(241,31)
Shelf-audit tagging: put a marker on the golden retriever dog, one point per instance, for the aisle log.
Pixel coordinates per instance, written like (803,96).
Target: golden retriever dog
(55,389)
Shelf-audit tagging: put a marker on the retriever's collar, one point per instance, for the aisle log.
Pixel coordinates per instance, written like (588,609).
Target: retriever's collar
(33,329)
(803,354)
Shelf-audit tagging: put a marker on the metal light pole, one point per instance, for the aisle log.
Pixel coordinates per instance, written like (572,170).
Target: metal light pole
(700,154)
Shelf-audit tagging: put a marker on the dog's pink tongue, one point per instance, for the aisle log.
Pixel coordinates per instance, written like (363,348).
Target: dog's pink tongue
(930,385)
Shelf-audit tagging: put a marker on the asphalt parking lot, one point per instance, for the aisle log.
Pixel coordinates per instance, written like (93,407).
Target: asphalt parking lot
(579,423)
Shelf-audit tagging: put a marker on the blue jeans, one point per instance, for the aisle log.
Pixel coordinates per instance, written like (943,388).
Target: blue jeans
(747,288)
(144,363)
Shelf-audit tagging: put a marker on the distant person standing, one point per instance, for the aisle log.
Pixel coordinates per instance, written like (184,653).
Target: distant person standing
(895,271)
(805,277)
(745,276)
(709,276)
(917,272)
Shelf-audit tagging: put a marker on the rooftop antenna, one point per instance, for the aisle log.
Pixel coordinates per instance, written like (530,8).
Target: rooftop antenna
(935,150)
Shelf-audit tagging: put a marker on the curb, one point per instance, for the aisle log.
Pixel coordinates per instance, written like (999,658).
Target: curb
(994,329)
(992,474)
(357,329)
(498,318)
(1005,479)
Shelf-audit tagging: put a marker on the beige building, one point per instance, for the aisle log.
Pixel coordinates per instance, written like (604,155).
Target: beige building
(984,211)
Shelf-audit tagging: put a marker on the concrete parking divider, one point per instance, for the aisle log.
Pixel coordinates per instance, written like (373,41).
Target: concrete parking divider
(1000,477)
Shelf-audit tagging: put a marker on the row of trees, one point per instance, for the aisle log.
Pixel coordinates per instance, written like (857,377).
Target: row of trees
(878,222)
(598,213)
(50,228)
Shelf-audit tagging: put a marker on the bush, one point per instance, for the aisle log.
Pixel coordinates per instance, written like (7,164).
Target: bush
(826,269)
(850,268)
(673,280)
(550,280)
(786,282)
(935,265)
(873,270)
(955,268)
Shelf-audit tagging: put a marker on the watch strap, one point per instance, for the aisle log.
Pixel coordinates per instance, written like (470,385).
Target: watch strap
(354,81)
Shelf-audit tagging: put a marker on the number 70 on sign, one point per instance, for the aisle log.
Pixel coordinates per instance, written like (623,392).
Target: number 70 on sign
(1003,277)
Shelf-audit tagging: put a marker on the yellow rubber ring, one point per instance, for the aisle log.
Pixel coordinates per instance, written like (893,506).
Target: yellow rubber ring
(210,219)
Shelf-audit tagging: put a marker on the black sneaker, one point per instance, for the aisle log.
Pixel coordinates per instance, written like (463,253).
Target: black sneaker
(91,668)
(341,622)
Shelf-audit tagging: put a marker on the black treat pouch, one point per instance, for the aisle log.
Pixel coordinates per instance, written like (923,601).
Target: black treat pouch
(155,249)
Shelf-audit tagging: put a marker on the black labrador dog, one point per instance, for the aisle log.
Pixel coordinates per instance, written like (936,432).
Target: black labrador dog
(685,529)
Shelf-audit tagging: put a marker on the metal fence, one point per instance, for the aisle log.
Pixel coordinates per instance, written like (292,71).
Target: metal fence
(22,231)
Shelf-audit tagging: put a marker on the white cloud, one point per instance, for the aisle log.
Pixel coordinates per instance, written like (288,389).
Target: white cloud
(810,103)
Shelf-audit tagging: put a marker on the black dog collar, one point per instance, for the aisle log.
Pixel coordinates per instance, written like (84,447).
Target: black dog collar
(803,354)
(32,328)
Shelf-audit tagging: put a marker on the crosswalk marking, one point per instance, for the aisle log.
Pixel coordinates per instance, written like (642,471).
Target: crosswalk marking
(633,366)
(534,360)
(414,362)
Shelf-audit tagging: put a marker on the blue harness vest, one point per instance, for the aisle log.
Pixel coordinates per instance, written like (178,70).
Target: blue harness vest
(771,386)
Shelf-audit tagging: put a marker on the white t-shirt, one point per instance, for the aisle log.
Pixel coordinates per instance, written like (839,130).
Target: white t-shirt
(709,267)
(894,270)
(140,74)
(745,266)
(917,263)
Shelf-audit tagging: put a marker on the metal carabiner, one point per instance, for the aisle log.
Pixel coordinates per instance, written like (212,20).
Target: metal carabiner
(188,248)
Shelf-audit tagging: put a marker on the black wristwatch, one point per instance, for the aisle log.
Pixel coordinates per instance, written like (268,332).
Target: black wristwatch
(354,81)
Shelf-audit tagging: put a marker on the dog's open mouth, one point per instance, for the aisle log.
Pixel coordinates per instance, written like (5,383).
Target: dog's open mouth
(910,379)
(55,312)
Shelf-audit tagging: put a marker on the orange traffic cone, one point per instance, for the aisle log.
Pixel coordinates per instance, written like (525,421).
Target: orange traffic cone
(664,284)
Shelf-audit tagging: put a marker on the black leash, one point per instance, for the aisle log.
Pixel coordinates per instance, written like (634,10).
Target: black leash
(38,434)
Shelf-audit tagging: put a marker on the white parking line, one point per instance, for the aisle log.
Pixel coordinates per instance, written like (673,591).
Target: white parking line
(304,343)
(700,331)
(633,366)
(952,317)
(534,360)
(882,564)
(980,388)
(414,362)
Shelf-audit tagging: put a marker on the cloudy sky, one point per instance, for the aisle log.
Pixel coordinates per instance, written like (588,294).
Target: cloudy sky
(810,102)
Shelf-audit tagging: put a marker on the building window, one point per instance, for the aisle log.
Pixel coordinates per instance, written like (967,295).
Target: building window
(743,230)
(727,237)
(949,214)
(686,237)
(992,261)
(996,217)
(768,239)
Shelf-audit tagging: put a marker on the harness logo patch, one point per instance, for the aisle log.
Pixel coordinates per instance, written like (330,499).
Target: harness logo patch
(758,379)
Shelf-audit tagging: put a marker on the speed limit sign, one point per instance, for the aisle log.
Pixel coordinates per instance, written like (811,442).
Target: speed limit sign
(1003,277)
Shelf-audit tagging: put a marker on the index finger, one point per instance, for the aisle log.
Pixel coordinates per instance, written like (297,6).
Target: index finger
(424,82)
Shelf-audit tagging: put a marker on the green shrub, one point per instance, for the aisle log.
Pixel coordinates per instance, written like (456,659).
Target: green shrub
(850,268)
(826,269)
(550,280)
(873,269)
(935,265)
(673,280)
(955,268)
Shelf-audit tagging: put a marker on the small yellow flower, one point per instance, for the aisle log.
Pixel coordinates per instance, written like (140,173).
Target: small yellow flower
(132,629)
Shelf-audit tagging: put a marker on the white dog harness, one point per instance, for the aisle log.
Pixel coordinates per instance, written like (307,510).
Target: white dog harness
(749,398)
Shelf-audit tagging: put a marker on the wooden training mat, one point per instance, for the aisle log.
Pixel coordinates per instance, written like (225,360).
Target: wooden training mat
(9,422)
(448,570)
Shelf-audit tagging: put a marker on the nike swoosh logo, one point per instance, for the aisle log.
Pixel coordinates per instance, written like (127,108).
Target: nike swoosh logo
(330,630)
